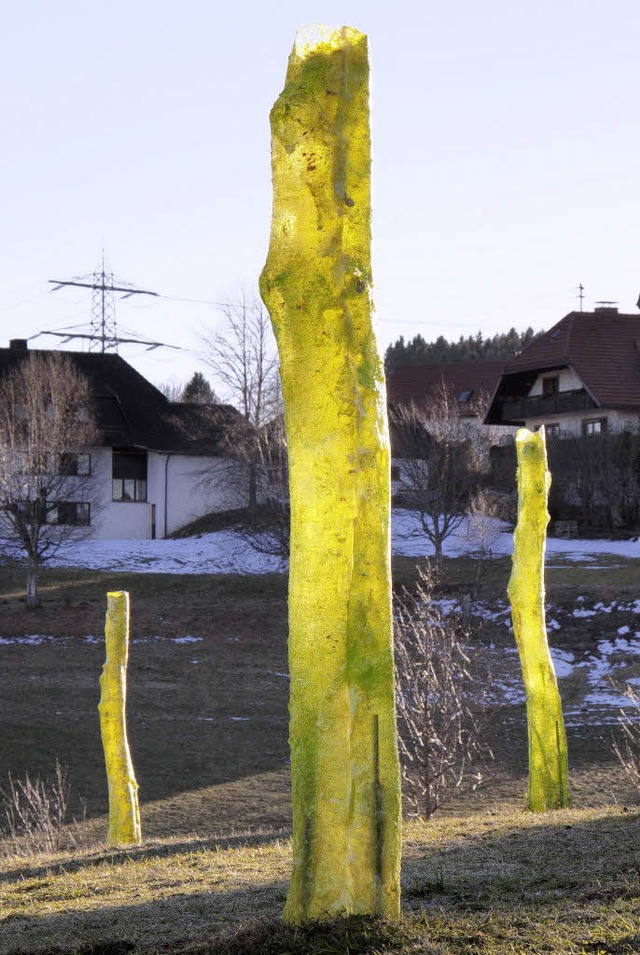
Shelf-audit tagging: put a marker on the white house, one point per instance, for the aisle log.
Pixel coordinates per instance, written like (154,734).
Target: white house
(156,465)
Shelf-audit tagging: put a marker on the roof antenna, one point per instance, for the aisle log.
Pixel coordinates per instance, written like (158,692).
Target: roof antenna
(581,295)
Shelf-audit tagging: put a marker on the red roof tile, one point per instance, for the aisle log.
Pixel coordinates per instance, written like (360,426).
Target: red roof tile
(602,346)
(419,384)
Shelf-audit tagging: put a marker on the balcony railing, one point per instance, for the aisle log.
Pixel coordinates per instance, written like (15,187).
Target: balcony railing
(540,406)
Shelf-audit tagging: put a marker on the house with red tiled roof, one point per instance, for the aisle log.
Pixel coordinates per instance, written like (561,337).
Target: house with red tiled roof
(580,377)
(469,384)
(449,397)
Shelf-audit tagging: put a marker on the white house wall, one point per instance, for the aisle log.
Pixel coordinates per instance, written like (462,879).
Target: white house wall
(115,520)
(191,486)
(197,485)
(568,380)
(571,424)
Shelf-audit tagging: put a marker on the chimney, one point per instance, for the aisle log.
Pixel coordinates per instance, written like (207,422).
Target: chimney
(18,344)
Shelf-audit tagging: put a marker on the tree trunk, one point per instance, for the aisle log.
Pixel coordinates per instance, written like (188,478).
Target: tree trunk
(33,600)
(548,761)
(124,813)
(253,484)
(316,284)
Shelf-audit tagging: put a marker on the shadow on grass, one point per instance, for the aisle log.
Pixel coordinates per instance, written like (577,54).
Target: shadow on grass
(139,853)
(171,923)
(214,935)
(557,883)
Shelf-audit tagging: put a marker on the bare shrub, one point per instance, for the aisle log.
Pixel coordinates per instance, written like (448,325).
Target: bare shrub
(481,533)
(483,528)
(627,749)
(439,704)
(35,811)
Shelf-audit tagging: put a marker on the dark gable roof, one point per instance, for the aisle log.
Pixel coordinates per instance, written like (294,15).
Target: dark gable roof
(603,347)
(207,429)
(419,384)
(129,410)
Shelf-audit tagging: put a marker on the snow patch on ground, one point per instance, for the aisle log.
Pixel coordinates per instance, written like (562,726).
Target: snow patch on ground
(33,641)
(226,552)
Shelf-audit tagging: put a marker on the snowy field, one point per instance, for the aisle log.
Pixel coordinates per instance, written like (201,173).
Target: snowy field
(225,552)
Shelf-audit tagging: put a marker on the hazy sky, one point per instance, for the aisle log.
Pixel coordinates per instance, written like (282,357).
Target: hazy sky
(506,154)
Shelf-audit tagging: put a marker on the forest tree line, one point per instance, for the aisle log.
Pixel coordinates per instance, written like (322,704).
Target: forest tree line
(501,346)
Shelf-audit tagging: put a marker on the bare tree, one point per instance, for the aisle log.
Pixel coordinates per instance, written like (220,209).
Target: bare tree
(439,704)
(243,358)
(442,460)
(266,525)
(46,427)
(171,390)
(482,532)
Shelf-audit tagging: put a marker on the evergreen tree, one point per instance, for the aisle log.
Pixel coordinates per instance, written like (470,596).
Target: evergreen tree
(500,347)
(198,391)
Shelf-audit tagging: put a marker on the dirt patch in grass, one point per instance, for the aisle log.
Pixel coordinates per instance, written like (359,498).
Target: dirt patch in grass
(169,605)
(208,693)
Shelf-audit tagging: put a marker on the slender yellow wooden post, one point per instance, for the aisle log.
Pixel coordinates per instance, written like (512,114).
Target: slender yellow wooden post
(124,812)
(316,284)
(548,761)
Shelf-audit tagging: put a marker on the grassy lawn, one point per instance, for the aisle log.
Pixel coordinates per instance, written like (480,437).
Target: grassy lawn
(208,730)
(496,882)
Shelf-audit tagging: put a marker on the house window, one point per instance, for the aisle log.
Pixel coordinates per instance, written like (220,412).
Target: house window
(550,386)
(129,475)
(70,512)
(465,394)
(552,430)
(25,511)
(594,426)
(74,464)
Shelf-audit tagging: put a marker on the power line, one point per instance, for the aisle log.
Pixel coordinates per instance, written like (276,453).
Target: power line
(68,336)
(104,330)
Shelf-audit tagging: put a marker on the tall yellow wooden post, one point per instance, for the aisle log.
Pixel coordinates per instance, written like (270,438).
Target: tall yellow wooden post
(124,812)
(548,761)
(316,284)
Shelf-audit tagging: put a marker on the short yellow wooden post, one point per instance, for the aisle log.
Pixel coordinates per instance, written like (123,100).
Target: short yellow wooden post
(124,812)
(548,761)
(316,284)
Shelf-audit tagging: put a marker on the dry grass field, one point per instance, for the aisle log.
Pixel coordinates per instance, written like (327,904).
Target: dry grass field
(208,729)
